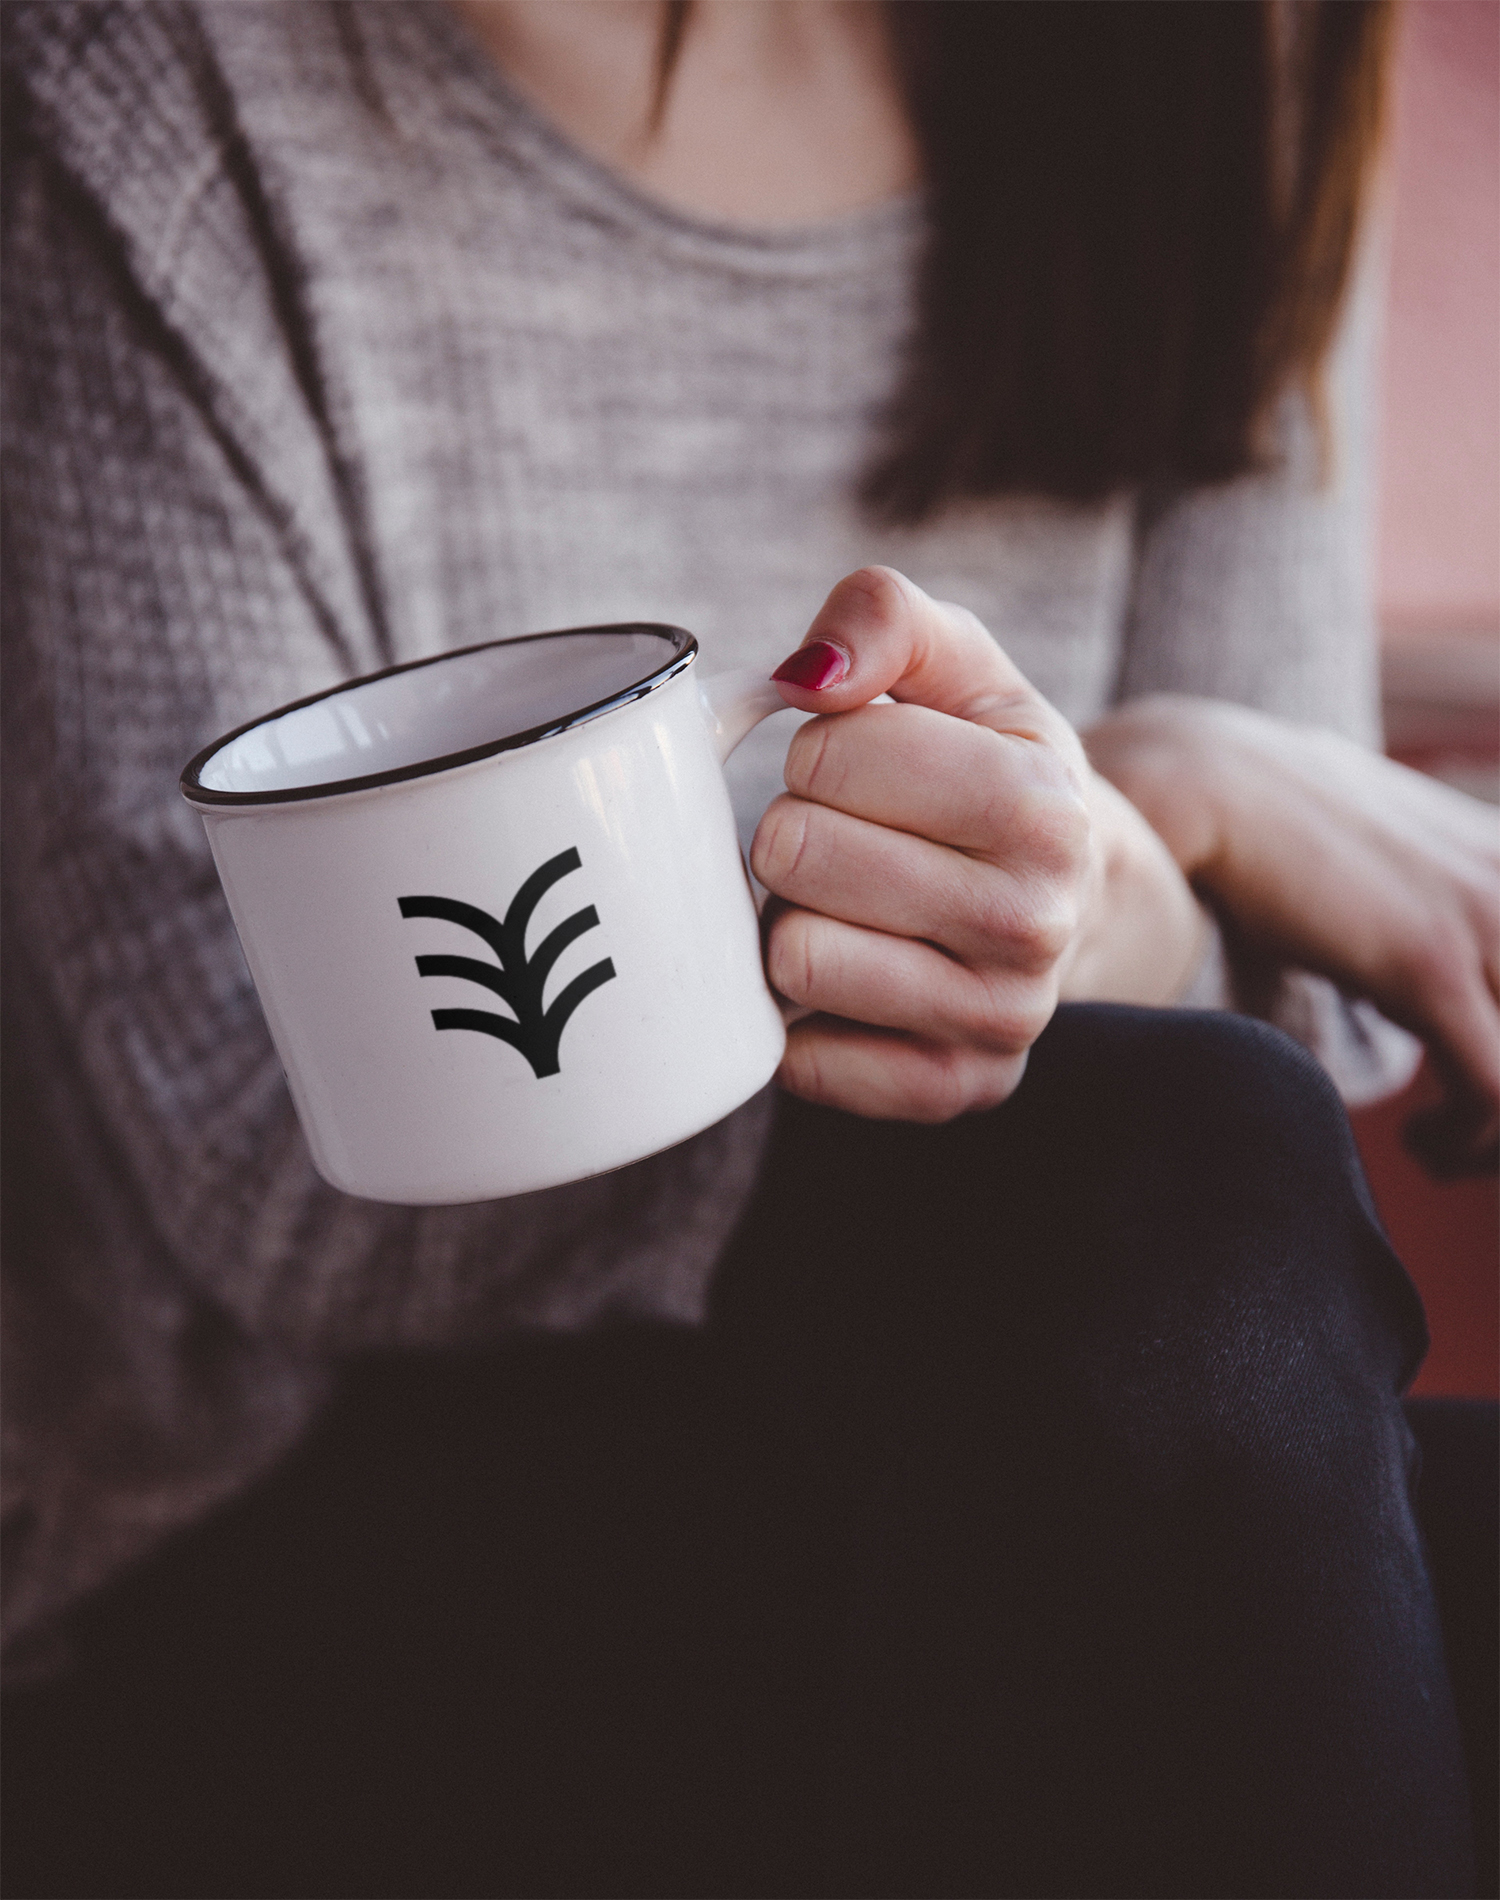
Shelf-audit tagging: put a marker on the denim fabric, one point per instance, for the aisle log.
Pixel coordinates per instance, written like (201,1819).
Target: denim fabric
(1033,1517)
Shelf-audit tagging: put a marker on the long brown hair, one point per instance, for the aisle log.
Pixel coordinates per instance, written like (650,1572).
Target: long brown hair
(1143,215)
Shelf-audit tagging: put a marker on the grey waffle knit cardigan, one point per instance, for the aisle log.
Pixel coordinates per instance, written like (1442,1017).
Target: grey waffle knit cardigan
(323,351)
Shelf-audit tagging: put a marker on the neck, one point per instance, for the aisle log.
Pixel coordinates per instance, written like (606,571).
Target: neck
(778,111)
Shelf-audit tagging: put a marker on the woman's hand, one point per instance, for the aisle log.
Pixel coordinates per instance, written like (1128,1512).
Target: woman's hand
(1333,859)
(940,866)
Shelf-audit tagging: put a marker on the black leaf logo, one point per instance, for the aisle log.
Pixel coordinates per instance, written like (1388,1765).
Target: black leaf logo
(535,1031)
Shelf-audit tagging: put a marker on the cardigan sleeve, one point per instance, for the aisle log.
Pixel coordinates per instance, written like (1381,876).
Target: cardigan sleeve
(1259,591)
(178,1278)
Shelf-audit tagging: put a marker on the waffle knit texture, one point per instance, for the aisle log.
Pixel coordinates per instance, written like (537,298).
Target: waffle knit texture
(323,351)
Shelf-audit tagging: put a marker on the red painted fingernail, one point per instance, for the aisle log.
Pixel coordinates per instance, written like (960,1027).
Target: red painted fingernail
(822,664)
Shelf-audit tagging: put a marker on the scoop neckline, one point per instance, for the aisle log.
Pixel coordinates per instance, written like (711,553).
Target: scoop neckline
(851,237)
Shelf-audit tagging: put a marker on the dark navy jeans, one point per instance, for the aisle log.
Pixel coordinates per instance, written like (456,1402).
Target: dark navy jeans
(1034,1517)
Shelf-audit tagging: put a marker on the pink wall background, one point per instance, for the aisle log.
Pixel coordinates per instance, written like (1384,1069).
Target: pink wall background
(1439,567)
(1439,575)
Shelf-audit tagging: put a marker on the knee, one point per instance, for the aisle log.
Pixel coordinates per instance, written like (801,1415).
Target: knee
(1202,1110)
(1243,1295)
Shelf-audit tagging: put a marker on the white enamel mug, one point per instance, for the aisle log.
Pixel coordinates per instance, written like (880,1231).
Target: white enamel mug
(495,910)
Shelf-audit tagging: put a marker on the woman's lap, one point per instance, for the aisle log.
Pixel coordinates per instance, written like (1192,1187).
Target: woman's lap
(1143,1482)
(1030,1518)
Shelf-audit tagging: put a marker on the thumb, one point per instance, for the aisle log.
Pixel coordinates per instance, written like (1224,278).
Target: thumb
(878,632)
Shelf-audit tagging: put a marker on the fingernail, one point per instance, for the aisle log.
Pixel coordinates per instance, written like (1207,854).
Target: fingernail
(814,667)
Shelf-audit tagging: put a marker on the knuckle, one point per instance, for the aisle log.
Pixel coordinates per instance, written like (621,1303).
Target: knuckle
(1078,840)
(1440,962)
(991,796)
(1048,932)
(956,1082)
(780,843)
(882,593)
(939,1091)
(1032,812)
(1482,903)
(997,1082)
(994,914)
(814,762)
(803,1069)
(1010,1016)
(1028,931)
(790,957)
(1053,820)
(991,1019)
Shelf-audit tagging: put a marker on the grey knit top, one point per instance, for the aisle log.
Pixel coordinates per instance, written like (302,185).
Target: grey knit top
(324,351)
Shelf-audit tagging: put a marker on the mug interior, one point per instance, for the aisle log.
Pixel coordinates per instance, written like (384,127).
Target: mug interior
(434,713)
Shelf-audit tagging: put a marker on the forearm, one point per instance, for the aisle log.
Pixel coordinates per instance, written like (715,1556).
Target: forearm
(1326,857)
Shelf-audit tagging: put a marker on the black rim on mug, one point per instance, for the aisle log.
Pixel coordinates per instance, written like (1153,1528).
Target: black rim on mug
(684,651)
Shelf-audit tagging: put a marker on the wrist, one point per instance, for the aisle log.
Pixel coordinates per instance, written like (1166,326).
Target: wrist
(1167,756)
(1144,935)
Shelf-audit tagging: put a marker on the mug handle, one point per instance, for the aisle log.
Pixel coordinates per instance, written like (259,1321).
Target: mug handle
(734,703)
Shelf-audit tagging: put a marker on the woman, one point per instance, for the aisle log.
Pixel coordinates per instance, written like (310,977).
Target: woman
(344,334)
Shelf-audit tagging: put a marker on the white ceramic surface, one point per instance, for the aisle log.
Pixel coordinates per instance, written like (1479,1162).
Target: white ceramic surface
(443,1041)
